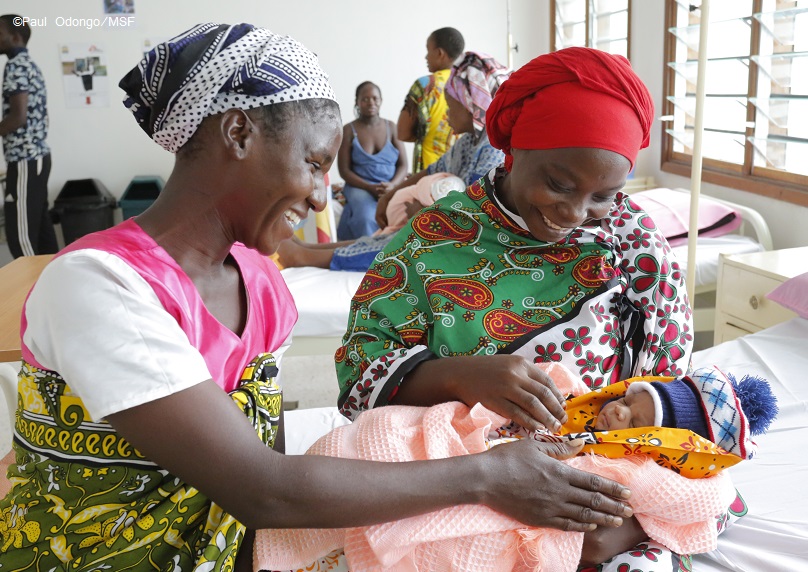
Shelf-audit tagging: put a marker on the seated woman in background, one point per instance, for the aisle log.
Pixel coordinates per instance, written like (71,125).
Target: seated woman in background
(469,90)
(356,255)
(471,87)
(371,160)
(541,260)
(147,407)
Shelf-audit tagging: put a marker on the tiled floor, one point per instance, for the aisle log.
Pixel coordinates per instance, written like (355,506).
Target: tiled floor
(311,381)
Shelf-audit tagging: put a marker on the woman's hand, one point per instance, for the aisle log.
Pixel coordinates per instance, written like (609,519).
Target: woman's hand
(513,387)
(509,385)
(604,543)
(533,486)
(381,208)
(412,208)
(383,188)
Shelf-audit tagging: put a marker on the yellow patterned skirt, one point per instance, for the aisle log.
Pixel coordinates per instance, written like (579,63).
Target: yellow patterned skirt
(83,498)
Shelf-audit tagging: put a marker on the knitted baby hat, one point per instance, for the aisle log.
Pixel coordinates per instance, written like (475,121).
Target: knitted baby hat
(715,406)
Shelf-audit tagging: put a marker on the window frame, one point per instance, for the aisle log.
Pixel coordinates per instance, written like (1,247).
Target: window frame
(588,22)
(774,183)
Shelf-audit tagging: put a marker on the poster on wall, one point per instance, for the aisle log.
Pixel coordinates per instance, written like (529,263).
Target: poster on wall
(119,6)
(84,73)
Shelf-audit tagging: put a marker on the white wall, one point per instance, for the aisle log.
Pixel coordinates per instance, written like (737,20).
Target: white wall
(380,40)
(356,40)
(530,27)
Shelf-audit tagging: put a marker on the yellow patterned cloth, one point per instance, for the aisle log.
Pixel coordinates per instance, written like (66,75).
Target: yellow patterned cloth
(83,498)
(680,450)
(433,135)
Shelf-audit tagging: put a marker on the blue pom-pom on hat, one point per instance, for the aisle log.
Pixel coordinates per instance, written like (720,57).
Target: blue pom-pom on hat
(758,402)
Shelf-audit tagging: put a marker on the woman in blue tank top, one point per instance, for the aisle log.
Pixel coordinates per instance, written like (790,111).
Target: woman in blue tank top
(371,160)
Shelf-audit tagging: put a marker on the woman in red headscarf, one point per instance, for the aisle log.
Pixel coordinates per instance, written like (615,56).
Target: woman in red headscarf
(542,260)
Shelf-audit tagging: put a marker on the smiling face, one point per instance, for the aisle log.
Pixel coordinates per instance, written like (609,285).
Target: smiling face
(558,190)
(460,119)
(369,100)
(633,410)
(282,178)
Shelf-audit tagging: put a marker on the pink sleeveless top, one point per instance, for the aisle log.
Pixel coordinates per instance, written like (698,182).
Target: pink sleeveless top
(271,309)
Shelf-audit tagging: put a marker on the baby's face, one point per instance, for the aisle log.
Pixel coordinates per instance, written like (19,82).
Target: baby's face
(634,410)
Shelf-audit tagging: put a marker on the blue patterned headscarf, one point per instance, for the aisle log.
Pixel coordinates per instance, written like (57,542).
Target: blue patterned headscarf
(215,67)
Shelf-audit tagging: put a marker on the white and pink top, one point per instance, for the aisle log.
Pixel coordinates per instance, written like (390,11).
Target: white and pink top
(123,325)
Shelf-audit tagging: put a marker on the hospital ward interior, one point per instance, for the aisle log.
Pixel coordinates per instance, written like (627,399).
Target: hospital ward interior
(695,261)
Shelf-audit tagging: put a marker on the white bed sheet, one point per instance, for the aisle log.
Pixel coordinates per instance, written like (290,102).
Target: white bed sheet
(773,536)
(708,252)
(323,299)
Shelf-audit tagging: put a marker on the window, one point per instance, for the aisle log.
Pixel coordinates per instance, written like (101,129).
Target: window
(756,105)
(601,24)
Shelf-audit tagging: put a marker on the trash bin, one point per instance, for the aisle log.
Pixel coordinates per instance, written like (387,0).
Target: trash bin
(140,194)
(83,206)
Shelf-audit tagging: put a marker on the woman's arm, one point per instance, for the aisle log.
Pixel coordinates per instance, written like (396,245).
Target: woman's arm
(401,163)
(102,326)
(384,200)
(264,489)
(522,392)
(407,125)
(385,359)
(401,166)
(344,162)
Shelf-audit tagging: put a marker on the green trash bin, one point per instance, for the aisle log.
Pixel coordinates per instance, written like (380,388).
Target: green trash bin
(83,206)
(140,194)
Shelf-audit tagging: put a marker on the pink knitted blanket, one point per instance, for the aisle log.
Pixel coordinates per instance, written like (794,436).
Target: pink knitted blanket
(673,510)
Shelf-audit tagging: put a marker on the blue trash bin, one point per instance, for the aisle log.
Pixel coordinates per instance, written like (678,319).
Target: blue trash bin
(140,194)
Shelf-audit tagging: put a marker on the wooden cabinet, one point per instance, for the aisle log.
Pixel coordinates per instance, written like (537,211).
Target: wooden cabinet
(743,282)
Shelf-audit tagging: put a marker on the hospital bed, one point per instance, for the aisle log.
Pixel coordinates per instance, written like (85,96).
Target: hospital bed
(751,235)
(772,537)
(323,300)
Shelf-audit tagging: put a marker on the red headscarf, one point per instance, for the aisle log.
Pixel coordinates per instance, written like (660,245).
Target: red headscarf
(575,97)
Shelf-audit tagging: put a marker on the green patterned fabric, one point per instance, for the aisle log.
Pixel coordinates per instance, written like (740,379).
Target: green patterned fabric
(83,498)
(465,277)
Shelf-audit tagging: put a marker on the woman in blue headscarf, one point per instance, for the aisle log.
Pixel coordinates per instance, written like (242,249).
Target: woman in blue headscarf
(147,407)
